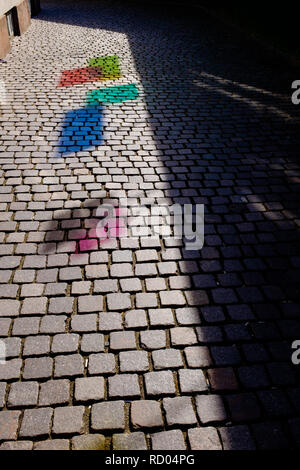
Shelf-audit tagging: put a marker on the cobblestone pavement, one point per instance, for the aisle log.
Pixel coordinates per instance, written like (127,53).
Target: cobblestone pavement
(142,344)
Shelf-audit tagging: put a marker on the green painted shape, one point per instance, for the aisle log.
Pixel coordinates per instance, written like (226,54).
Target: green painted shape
(109,65)
(115,94)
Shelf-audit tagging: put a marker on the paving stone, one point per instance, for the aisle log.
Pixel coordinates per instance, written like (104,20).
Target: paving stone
(59,305)
(108,416)
(204,439)
(2,394)
(146,414)
(222,378)
(124,385)
(69,366)
(161,317)
(237,438)
(243,407)
(88,442)
(19,445)
(84,323)
(65,343)
(12,347)
(23,394)
(89,389)
(173,298)
(168,440)
(53,324)
(10,369)
(118,301)
(53,444)
(110,321)
(9,422)
(210,408)
(192,381)
(182,336)
(90,303)
(68,420)
(146,300)
(155,339)
(54,392)
(133,361)
(36,422)
(197,356)
(270,436)
(102,364)
(9,308)
(136,319)
(167,359)
(122,340)
(37,368)
(179,411)
(93,342)
(33,308)
(133,441)
(106,286)
(159,383)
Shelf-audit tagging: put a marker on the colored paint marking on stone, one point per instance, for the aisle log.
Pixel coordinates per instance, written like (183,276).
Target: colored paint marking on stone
(81,129)
(109,65)
(116,94)
(79,76)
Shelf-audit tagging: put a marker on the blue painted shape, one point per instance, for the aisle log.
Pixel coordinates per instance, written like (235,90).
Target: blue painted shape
(81,130)
(113,94)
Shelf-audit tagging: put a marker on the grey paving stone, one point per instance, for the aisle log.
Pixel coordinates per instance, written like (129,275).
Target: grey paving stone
(110,321)
(53,444)
(182,336)
(118,301)
(9,422)
(92,342)
(210,408)
(59,305)
(26,326)
(179,411)
(36,422)
(161,317)
(84,323)
(88,442)
(136,319)
(54,392)
(65,343)
(146,414)
(10,369)
(192,380)
(38,306)
(9,308)
(68,420)
(89,389)
(204,439)
(155,339)
(68,366)
(124,385)
(38,368)
(132,441)
(108,416)
(133,361)
(23,394)
(168,440)
(53,324)
(167,359)
(122,340)
(237,438)
(90,303)
(19,445)
(159,383)
(104,363)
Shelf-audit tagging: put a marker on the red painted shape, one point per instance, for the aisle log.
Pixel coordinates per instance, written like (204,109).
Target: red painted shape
(78,76)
